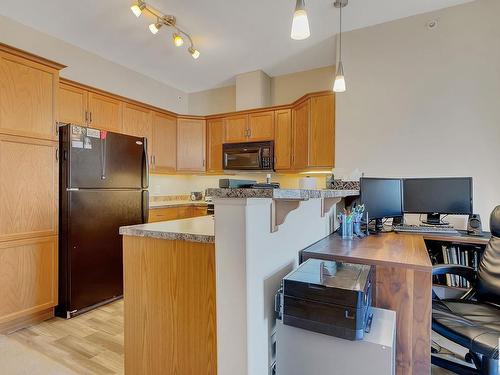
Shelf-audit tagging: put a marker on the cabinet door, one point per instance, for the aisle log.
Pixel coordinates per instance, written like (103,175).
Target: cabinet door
(322,131)
(215,138)
(283,139)
(162,214)
(28,276)
(261,126)
(27,98)
(72,104)
(28,188)
(300,125)
(105,112)
(163,148)
(236,128)
(191,145)
(136,121)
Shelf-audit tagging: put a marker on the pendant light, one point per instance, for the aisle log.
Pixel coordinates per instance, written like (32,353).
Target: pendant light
(339,84)
(300,23)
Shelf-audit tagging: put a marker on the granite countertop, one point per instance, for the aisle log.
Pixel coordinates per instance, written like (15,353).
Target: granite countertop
(196,229)
(279,193)
(177,203)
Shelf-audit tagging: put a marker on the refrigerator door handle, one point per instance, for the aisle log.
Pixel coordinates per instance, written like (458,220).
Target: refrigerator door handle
(145,160)
(145,206)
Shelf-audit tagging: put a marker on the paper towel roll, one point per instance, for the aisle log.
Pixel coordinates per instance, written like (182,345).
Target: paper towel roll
(307,183)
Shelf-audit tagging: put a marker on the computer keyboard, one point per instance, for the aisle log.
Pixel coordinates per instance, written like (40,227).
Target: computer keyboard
(425,229)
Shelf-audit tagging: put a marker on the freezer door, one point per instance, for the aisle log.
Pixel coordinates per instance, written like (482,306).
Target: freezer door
(94,245)
(103,160)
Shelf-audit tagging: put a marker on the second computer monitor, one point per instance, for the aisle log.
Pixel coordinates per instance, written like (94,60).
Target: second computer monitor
(435,196)
(382,198)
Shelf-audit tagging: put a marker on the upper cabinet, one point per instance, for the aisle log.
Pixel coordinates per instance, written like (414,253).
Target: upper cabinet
(322,131)
(163,147)
(235,128)
(72,105)
(313,128)
(105,112)
(191,145)
(253,127)
(283,139)
(261,126)
(137,121)
(215,139)
(28,93)
(300,129)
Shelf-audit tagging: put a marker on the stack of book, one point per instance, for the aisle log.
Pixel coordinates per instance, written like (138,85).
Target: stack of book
(456,255)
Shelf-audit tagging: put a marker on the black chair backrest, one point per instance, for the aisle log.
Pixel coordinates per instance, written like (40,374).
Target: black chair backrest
(488,283)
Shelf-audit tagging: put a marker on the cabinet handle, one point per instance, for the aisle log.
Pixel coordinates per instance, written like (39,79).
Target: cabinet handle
(90,117)
(151,161)
(249,132)
(57,154)
(57,128)
(86,117)
(154,160)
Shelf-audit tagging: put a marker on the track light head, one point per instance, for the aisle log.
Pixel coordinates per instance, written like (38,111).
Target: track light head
(154,27)
(137,8)
(194,52)
(177,38)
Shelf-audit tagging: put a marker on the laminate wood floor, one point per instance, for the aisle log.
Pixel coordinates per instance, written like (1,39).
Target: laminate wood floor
(91,343)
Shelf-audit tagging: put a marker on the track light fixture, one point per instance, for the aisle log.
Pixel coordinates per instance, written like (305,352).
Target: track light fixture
(140,7)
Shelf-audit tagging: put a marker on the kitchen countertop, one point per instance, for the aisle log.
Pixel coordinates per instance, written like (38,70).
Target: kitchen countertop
(196,229)
(279,193)
(177,203)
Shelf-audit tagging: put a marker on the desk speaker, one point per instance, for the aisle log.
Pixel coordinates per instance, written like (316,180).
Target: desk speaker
(474,226)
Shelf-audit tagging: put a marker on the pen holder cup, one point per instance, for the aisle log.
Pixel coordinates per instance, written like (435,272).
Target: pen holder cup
(347,228)
(357,227)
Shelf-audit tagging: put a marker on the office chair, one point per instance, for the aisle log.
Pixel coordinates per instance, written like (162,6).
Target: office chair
(473,321)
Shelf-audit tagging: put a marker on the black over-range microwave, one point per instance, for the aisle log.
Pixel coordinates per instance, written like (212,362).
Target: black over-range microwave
(249,156)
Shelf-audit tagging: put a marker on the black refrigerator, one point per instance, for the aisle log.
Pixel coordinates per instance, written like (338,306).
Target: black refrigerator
(103,186)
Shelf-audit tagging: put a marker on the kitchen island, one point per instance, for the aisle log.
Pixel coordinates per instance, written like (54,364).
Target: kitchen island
(199,292)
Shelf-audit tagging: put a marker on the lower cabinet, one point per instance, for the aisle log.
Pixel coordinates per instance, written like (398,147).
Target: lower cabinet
(28,279)
(175,213)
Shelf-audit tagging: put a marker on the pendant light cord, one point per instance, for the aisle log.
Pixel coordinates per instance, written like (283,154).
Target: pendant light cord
(340,57)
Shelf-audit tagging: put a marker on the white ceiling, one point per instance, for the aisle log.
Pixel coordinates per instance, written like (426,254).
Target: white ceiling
(233,36)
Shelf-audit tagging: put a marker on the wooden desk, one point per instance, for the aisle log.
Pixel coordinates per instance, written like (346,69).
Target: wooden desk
(403,274)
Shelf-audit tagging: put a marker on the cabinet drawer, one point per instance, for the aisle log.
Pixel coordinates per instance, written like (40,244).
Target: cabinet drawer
(162,214)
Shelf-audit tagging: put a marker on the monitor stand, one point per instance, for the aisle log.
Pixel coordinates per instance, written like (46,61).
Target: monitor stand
(434,219)
(379,227)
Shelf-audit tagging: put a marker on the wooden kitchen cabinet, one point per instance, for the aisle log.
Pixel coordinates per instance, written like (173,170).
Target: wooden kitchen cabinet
(72,105)
(137,121)
(29,189)
(28,92)
(261,126)
(105,112)
(300,138)
(283,139)
(175,213)
(215,139)
(322,131)
(191,138)
(163,146)
(28,276)
(235,128)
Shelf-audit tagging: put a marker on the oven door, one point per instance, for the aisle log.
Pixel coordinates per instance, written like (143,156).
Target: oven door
(242,158)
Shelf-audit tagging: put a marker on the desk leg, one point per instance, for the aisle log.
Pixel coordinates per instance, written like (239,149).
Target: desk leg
(408,292)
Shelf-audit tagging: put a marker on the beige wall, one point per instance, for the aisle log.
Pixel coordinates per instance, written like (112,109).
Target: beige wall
(285,89)
(253,90)
(425,103)
(209,102)
(90,69)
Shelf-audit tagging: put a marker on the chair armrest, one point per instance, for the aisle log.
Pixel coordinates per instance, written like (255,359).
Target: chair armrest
(455,269)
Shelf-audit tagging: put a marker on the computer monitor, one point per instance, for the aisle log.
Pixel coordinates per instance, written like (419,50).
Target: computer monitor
(382,198)
(436,196)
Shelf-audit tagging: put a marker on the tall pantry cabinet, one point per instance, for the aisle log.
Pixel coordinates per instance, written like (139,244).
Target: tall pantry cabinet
(28,188)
